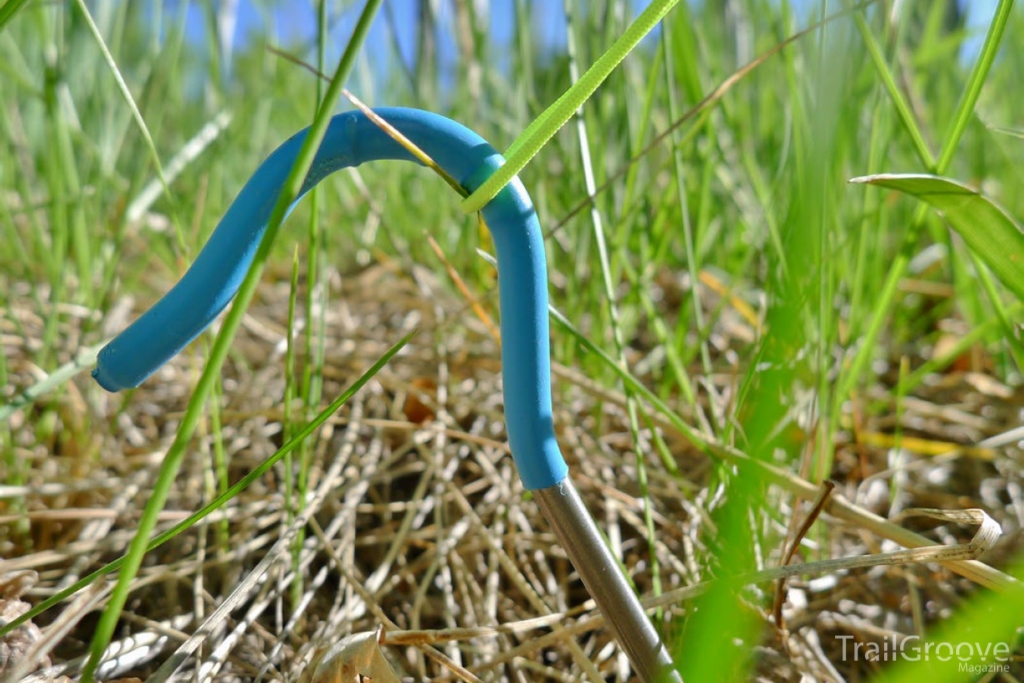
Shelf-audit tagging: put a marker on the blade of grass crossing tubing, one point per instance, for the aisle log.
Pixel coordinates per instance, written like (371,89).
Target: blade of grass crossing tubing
(544,127)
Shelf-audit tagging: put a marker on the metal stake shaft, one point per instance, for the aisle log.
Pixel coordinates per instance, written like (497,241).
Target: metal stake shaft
(594,562)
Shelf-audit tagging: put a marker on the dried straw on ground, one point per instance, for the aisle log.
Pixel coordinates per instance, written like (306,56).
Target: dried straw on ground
(416,528)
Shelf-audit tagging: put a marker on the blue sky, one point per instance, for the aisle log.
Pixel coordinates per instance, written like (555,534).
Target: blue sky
(293,22)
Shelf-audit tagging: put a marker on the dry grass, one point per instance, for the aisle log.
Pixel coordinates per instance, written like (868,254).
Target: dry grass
(417,521)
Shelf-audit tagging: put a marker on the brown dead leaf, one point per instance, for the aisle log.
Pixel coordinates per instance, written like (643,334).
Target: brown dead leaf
(415,409)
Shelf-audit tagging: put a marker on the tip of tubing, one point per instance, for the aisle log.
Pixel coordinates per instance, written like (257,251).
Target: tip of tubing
(110,380)
(104,379)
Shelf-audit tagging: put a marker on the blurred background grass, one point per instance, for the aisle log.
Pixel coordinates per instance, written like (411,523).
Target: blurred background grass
(726,264)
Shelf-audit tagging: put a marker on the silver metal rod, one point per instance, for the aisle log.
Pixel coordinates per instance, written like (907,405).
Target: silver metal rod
(594,562)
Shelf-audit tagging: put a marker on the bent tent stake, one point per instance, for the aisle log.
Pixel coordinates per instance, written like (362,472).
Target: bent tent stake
(352,139)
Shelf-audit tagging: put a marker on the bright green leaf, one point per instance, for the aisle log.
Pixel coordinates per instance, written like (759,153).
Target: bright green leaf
(984,225)
(9,9)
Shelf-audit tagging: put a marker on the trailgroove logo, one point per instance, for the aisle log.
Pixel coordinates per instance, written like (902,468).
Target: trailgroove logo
(971,657)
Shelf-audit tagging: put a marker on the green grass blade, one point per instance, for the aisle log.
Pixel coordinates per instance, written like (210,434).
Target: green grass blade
(85,359)
(175,455)
(9,9)
(986,227)
(294,442)
(965,110)
(949,357)
(544,127)
(679,176)
(94,31)
(1012,132)
(903,110)
(632,409)
(989,624)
